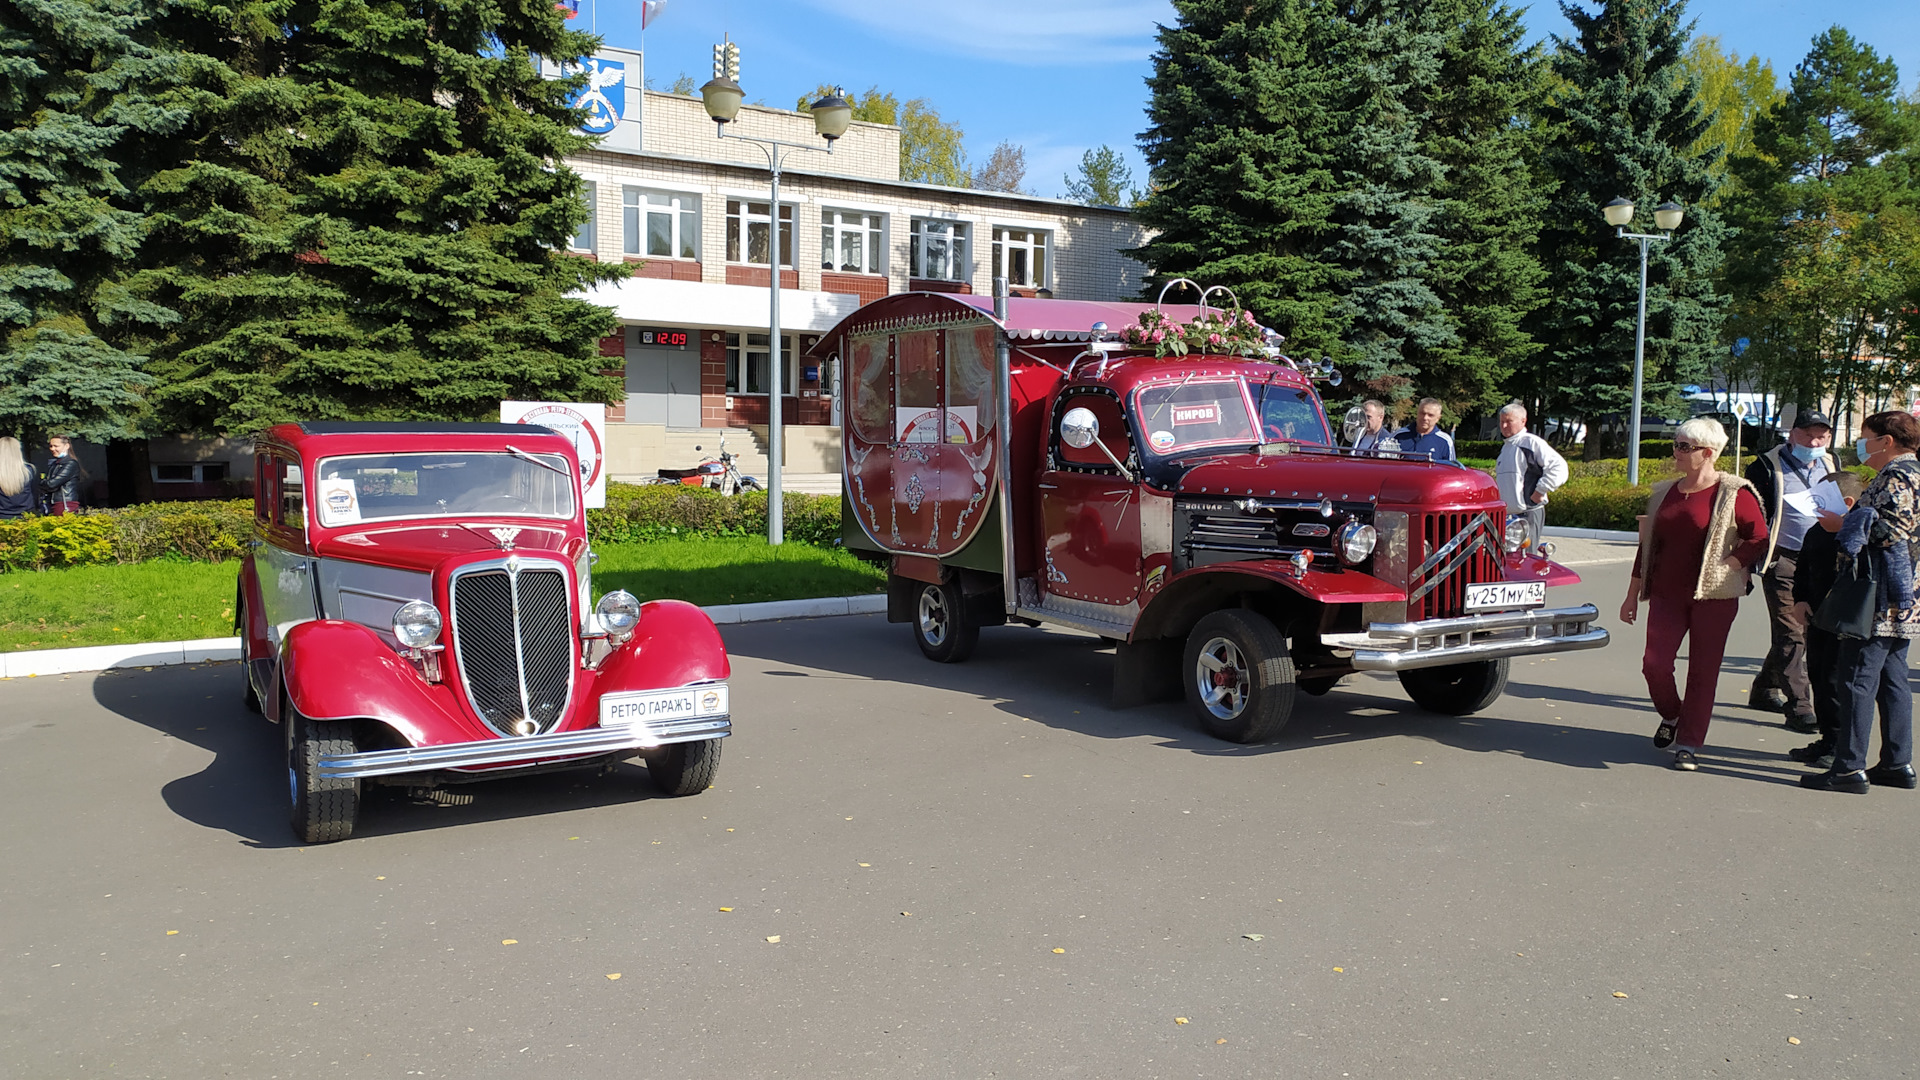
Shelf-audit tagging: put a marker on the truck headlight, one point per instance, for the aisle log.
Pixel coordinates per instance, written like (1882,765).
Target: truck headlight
(619,612)
(1518,532)
(416,624)
(1356,542)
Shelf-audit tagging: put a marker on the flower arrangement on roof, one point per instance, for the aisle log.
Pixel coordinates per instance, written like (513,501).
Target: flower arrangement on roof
(1221,332)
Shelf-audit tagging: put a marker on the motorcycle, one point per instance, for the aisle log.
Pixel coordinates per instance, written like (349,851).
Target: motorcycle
(722,474)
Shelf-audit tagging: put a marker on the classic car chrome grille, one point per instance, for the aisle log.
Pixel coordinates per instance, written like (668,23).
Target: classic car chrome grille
(512,637)
(1459,549)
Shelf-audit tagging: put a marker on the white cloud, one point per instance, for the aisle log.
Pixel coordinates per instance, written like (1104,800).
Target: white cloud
(1060,32)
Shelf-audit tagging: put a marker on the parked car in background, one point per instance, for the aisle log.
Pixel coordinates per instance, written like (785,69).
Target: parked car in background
(417,610)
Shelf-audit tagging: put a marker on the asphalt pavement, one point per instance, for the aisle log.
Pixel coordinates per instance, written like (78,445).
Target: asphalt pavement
(976,870)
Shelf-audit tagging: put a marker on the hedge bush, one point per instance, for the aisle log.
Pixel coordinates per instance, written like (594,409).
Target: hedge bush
(636,513)
(188,531)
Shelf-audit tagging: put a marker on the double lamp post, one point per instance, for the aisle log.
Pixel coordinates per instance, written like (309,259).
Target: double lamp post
(1666,217)
(831,115)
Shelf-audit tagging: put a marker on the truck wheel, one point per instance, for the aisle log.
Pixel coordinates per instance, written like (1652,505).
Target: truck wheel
(686,768)
(246,659)
(1458,689)
(1239,677)
(940,625)
(322,810)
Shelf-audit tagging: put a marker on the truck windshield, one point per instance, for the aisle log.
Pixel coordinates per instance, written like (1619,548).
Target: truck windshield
(375,487)
(1180,416)
(1289,413)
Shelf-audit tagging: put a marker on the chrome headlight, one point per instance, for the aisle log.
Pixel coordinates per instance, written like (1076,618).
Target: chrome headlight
(416,624)
(619,612)
(1518,532)
(1356,542)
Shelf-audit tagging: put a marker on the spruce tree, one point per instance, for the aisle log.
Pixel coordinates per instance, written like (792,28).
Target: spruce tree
(1242,177)
(1627,123)
(367,215)
(75,89)
(1483,129)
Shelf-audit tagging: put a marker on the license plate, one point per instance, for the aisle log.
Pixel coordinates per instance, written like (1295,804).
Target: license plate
(1505,595)
(649,707)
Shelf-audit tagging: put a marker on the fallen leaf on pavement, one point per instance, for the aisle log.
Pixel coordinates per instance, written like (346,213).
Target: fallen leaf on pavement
(1254,937)
(774,940)
(1179,1019)
(1342,971)
(1793,1041)
(1619,994)
(509,941)
(614,975)
(170,933)
(1059,950)
(726,909)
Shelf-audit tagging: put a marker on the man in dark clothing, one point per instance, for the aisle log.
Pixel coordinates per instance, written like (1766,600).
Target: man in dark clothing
(1819,566)
(1783,478)
(60,485)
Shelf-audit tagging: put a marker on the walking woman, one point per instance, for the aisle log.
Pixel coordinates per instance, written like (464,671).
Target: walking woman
(17,495)
(1883,528)
(61,484)
(1699,537)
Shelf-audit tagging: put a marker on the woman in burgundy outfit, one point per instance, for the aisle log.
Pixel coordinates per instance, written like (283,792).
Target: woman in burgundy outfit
(1698,538)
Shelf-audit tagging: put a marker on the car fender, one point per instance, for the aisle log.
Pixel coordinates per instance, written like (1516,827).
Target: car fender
(336,670)
(674,644)
(1194,593)
(1535,568)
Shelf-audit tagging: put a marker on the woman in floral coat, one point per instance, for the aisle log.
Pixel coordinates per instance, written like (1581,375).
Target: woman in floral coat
(1883,527)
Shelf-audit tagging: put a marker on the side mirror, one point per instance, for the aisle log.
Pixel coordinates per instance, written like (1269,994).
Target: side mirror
(1079,428)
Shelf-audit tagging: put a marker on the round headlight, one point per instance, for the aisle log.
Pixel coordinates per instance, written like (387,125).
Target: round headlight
(1356,542)
(416,624)
(618,610)
(1518,532)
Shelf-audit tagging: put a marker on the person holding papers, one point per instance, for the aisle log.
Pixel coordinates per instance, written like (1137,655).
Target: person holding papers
(1785,478)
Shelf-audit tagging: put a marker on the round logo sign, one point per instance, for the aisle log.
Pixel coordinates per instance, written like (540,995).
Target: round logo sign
(586,443)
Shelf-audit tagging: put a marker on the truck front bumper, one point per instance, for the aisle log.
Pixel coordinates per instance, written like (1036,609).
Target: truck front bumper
(526,750)
(1441,642)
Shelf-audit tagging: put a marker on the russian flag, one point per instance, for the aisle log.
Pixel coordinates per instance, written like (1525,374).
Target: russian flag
(650,10)
(569,8)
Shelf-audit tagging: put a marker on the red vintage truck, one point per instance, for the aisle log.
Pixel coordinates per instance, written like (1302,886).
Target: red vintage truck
(1162,476)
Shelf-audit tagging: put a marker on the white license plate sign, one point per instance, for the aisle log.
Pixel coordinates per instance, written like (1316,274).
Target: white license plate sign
(1506,595)
(659,706)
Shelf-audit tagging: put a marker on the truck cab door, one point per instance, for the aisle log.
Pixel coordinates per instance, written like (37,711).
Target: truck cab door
(1089,510)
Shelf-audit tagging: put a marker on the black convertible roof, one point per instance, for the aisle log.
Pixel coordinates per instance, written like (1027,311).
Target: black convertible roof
(398,427)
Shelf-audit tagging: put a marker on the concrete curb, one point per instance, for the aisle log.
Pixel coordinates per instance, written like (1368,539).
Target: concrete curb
(1590,534)
(27,665)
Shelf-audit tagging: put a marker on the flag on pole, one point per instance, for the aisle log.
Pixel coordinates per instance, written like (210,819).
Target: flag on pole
(649,11)
(568,8)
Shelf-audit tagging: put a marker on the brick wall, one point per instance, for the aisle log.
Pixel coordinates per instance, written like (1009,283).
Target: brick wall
(868,287)
(680,127)
(667,269)
(713,379)
(757,276)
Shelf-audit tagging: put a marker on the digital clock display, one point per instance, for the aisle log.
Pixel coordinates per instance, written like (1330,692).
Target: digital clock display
(673,339)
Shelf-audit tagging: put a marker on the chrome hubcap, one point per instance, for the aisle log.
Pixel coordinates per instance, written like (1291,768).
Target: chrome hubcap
(1222,676)
(934,616)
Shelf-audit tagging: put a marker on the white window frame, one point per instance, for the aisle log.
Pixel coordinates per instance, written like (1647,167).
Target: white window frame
(866,226)
(680,208)
(586,237)
(741,217)
(956,239)
(739,356)
(1038,242)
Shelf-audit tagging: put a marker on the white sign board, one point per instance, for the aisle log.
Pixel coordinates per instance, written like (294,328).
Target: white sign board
(586,425)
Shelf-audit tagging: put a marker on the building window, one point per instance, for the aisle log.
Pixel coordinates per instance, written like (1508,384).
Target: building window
(583,239)
(204,472)
(850,242)
(1020,256)
(747,366)
(667,223)
(748,227)
(939,250)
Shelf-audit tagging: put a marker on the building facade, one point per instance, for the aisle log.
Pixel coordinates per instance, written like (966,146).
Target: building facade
(690,212)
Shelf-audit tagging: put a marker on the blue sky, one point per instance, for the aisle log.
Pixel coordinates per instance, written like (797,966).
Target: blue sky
(1060,77)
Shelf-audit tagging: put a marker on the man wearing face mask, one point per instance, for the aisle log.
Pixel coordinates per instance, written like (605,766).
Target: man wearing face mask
(1783,476)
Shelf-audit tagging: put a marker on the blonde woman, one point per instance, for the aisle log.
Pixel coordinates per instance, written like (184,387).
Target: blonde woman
(17,495)
(1699,538)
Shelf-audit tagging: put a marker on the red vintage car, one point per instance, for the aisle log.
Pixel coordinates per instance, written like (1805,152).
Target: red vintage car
(417,610)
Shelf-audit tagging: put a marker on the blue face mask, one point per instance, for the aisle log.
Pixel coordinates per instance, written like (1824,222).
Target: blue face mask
(1860,449)
(1807,453)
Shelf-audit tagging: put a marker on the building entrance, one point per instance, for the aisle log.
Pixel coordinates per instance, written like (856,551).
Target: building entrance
(663,387)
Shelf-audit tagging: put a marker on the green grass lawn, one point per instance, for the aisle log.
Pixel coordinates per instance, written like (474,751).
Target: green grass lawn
(167,601)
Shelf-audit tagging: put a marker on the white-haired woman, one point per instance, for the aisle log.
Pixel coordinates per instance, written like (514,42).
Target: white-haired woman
(1698,539)
(17,494)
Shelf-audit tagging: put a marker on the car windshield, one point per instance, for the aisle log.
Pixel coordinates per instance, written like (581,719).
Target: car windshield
(1289,413)
(376,487)
(1190,413)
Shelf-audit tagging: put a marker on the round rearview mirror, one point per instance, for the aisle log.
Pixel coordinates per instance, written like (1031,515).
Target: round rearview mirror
(1078,428)
(1354,423)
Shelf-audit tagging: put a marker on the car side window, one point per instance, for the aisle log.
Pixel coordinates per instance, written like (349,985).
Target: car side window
(264,490)
(293,495)
(1113,432)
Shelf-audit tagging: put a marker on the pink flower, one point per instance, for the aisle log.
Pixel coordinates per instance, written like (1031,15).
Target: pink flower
(1214,339)
(1158,337)
(1247,317)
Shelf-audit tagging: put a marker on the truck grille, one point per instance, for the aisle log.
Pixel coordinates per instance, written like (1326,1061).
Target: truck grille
(509,677)
(1459,549)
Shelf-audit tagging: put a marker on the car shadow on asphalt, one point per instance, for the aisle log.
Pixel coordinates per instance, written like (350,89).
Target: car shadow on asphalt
(243,790)
(1063,680)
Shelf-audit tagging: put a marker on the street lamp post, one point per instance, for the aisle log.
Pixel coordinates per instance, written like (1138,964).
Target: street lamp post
(831,115)
(1666,217)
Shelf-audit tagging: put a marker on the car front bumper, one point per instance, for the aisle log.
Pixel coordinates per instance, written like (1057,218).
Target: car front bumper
(527,750)
(1492,636)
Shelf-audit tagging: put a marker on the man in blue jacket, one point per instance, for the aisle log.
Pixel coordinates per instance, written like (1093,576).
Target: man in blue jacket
(1425,437)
